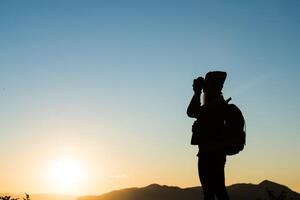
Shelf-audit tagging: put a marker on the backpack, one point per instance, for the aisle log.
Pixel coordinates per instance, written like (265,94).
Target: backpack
(234,130)
(233,133)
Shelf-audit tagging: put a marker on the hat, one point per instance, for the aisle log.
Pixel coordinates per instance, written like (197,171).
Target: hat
(214,81)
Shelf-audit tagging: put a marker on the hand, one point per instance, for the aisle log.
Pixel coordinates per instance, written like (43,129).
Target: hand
(198,85)
(195,126)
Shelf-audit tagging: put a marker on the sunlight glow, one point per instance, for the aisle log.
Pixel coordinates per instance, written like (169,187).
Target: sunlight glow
(66,175)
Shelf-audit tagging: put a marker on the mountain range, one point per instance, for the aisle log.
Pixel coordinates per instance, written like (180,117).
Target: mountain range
(241,191)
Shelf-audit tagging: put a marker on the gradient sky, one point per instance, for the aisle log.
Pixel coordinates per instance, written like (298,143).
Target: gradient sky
(107,83)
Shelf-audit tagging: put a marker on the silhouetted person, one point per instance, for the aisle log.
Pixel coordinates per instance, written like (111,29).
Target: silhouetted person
(209,124)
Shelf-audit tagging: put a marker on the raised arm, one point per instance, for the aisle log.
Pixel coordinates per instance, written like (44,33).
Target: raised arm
(194,108)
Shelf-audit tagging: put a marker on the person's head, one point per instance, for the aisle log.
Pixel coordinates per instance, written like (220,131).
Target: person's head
(213,84)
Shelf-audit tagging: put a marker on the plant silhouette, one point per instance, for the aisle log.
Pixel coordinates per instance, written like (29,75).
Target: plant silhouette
(27,197)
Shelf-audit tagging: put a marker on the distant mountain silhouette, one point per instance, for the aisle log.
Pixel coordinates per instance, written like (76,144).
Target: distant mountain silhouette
(161,192)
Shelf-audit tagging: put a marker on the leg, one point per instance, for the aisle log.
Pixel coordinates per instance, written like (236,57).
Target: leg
(204,175)
(219,182)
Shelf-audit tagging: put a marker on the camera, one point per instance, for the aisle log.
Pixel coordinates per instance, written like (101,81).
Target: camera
(198,84)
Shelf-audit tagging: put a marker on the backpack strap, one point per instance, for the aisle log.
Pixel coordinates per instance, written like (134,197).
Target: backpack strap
(229,99)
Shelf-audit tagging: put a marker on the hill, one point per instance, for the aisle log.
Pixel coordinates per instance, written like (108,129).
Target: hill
(161,192)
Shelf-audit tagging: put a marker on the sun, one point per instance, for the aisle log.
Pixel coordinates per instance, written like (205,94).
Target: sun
(66,175)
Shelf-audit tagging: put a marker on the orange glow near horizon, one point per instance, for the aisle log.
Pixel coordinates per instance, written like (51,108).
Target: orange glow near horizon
(66,174)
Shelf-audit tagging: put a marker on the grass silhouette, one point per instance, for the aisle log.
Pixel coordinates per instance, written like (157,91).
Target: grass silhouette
(27,197)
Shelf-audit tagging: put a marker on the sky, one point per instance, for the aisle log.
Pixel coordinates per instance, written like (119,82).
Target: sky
(101,88)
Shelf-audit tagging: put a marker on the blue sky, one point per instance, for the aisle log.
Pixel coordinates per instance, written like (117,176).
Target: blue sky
(120,73)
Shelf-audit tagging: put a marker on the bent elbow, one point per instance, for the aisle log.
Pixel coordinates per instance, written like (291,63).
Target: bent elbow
(190,114)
